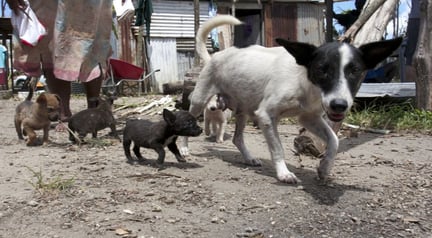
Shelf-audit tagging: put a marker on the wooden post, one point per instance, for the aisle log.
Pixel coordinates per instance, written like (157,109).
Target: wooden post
(329,20)
(423,57)
(197,21)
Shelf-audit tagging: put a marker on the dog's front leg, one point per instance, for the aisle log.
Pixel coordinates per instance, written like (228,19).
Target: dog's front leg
(184,146)
(173,148)
(45,134)
(268,126)
(161,152)
(32,139)
(319,127)
(114,132)
(195,109)
(220,132)
(239,141)
(206,124)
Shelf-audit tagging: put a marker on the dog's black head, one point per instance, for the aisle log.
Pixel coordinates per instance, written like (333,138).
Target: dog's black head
(182,123)
(338,69)
(217,102)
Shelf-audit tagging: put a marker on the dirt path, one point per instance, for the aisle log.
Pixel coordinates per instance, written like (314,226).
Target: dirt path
(381,188)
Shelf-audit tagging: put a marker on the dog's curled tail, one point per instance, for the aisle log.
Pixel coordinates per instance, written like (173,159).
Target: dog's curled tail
(205,29)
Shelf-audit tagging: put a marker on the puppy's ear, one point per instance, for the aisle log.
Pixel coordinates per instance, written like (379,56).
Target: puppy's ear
(169,117)
(42,99)
(57,97)
(221,102)
(375,52)
(302,52)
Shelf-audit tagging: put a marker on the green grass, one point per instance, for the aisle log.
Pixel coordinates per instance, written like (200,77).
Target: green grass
(43,185)
(402,116)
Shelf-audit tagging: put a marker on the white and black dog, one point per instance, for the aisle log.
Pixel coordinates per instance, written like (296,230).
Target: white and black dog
(216,116)
(297,79)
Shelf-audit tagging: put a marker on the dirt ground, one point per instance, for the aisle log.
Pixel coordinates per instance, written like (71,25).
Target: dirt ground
(381,187)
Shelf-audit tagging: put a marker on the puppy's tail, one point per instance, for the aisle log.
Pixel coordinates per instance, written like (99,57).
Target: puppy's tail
(31,89)
(205,29)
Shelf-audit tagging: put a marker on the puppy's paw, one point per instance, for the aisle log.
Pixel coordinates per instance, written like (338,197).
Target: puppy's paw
(181,159)
(324,169)
(288,178)
(283,174)
(207,132)
(184,151)
(253,162)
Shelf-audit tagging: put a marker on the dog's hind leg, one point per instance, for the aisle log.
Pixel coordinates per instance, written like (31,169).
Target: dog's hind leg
(126,146)
(268,126)
(19,130)
(319,127)
(206,124)
(238,140)
(136,150)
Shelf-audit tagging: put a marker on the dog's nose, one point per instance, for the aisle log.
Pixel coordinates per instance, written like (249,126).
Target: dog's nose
(213,108)
(338,105)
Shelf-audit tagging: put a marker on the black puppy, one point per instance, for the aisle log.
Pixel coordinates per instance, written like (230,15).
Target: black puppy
(92,120)
(157,135)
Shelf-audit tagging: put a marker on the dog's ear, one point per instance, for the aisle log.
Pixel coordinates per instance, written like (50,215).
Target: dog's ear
(57,97)
(375,52)
(302,52)
(220,102)
(42,99)
(169,117)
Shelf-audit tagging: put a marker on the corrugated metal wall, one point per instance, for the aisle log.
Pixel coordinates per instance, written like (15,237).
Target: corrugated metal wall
(163,56)
(171,39)
(280,22)
(301,21)
(310,23)
(175,18)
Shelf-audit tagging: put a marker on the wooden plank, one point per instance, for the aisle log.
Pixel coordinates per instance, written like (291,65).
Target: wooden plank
(387,89)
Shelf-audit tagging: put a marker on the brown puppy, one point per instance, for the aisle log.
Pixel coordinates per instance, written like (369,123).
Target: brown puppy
(31,116)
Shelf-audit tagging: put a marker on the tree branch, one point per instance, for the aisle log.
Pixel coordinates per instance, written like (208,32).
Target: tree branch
(369,9)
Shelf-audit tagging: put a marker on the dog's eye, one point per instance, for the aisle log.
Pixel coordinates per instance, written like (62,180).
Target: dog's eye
(323,71)
(50,109)
(353,70)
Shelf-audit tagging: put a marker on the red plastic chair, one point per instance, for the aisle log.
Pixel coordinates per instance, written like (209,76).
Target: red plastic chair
(121,71)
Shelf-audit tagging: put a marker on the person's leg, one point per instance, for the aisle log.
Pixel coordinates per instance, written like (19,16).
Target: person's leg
(92,91)
(63,90)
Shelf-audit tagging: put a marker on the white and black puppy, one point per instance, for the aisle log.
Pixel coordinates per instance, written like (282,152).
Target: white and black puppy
(216,116)
(297,79)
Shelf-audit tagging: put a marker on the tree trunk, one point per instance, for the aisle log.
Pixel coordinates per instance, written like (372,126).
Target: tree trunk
(375,26)
(423,57)
(368,10)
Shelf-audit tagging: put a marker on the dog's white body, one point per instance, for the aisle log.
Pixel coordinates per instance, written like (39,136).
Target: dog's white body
(216,117)
(268,84)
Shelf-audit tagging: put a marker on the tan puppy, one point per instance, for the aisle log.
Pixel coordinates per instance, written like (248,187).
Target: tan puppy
(31,116)
(216,115)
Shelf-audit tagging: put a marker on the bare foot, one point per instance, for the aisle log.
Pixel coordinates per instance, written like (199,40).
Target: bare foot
(61,127)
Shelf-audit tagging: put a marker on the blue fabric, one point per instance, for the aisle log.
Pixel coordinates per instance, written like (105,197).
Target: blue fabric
(3,56)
